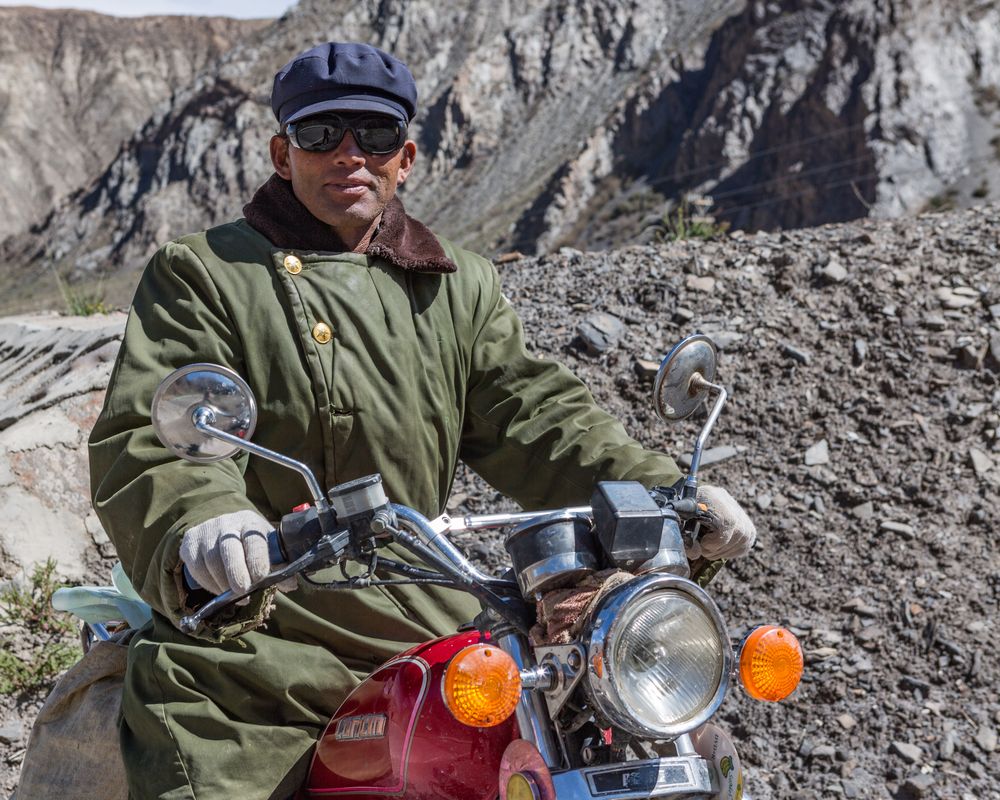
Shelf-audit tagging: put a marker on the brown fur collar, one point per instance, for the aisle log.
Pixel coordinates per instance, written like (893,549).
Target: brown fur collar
(277,213)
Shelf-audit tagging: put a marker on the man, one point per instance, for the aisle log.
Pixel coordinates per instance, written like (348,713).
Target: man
(371,346)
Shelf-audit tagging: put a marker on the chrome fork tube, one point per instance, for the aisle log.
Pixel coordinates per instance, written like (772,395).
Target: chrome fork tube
(532,714)
(684,746)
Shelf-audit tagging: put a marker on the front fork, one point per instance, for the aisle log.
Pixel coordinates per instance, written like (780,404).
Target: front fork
(532,717)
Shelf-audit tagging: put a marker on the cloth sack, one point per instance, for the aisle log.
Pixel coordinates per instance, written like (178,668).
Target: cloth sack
(73,751)
(563,612)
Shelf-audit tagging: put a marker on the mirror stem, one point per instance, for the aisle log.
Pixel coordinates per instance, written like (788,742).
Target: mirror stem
(204,420)
(698,382)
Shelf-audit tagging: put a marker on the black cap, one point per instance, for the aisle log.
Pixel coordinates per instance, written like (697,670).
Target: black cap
(343,77)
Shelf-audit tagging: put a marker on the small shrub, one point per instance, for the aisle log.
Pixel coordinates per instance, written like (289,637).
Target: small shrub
(681,224)
(638,202)
(942,202)
(45,642)
(80,302)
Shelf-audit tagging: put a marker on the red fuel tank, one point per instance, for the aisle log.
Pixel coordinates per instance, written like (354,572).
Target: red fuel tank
(394,736)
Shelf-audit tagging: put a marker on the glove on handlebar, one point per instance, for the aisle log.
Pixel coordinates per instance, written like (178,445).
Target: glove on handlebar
(729,533)
(229,552)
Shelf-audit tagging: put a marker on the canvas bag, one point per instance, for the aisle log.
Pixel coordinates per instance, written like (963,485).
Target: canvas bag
(73,751)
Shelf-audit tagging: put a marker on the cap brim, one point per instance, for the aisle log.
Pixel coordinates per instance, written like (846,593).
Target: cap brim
(356,103)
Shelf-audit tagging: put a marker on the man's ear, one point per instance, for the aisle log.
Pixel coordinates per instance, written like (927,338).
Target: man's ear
(279,156)
(409,155)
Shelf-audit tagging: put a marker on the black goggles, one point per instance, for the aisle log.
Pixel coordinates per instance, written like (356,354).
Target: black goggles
(376,134)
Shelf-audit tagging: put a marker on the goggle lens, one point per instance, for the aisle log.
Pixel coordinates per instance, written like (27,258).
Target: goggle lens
(375,135)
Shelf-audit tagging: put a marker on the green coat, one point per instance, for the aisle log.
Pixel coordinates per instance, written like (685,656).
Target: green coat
(422,369)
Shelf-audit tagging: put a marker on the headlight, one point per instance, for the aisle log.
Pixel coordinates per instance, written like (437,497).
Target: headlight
(659,657)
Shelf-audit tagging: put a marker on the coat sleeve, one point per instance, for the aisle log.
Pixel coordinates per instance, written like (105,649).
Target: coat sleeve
(145,497)
(533,430)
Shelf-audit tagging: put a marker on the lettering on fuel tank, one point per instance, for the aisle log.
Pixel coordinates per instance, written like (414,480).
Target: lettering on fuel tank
(366,726)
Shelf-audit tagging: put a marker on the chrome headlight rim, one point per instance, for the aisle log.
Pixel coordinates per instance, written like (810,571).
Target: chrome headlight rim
(600,637)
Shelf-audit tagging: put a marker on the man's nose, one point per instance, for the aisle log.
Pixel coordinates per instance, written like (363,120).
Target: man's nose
(348,151)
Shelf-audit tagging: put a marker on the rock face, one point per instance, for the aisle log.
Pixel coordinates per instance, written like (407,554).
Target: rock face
(76,85)
(550,123)
(804,113)
(53,373)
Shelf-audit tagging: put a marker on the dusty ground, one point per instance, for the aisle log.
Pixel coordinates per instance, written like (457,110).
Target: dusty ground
(880,549)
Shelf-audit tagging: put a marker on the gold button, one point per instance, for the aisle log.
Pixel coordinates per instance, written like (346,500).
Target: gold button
(293,265)
(322,332)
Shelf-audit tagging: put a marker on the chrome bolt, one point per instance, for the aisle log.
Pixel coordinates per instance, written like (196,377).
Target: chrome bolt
(380,523)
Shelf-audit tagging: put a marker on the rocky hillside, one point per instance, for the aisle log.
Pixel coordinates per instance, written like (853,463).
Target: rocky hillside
(801,113)
(550,123)
(863,434)
(76,85)
(502,88)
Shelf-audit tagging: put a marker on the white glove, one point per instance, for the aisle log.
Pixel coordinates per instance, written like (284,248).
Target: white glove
(730,533)
(229,552)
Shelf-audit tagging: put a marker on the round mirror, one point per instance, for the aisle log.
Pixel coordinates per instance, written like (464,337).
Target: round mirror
(673,393)
(217,388)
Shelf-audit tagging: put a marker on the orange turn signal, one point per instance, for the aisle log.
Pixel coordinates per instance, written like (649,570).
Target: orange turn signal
(770,663)
(481,686)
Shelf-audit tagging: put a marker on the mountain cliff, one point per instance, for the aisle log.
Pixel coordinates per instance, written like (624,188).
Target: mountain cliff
(796,114)
(584,122)
(75,85)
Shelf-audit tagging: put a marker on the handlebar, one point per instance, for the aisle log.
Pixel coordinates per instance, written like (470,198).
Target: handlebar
(328,548)
(300,544)
(344,522)
(274,555)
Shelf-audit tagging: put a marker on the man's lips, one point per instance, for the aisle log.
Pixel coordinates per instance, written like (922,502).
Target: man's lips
(349,186)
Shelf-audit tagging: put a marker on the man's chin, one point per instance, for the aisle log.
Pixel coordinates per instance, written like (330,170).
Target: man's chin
(353,215)
(353,221)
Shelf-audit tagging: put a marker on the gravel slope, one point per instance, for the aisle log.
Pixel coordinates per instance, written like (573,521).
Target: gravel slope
(883,341)
(879,548)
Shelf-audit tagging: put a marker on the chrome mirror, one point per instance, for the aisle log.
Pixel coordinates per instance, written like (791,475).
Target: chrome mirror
(684,381)
(203,387)
(685,377)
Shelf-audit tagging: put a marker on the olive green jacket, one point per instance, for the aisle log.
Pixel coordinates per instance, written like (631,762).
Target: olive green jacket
(422,369)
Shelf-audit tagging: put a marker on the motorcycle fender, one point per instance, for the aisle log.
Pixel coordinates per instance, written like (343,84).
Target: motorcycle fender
(394,737)
(716,746)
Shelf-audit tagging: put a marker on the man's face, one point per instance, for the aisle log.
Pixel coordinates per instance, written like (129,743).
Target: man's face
(346,187)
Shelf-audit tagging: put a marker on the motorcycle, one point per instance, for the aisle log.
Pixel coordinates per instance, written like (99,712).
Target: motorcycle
(619,707)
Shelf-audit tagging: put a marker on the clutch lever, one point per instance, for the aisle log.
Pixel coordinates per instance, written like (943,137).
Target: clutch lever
(329,548)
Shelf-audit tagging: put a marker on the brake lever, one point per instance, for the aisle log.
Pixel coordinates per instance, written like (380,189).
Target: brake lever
(692,515)
(328,549)
(703,570)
